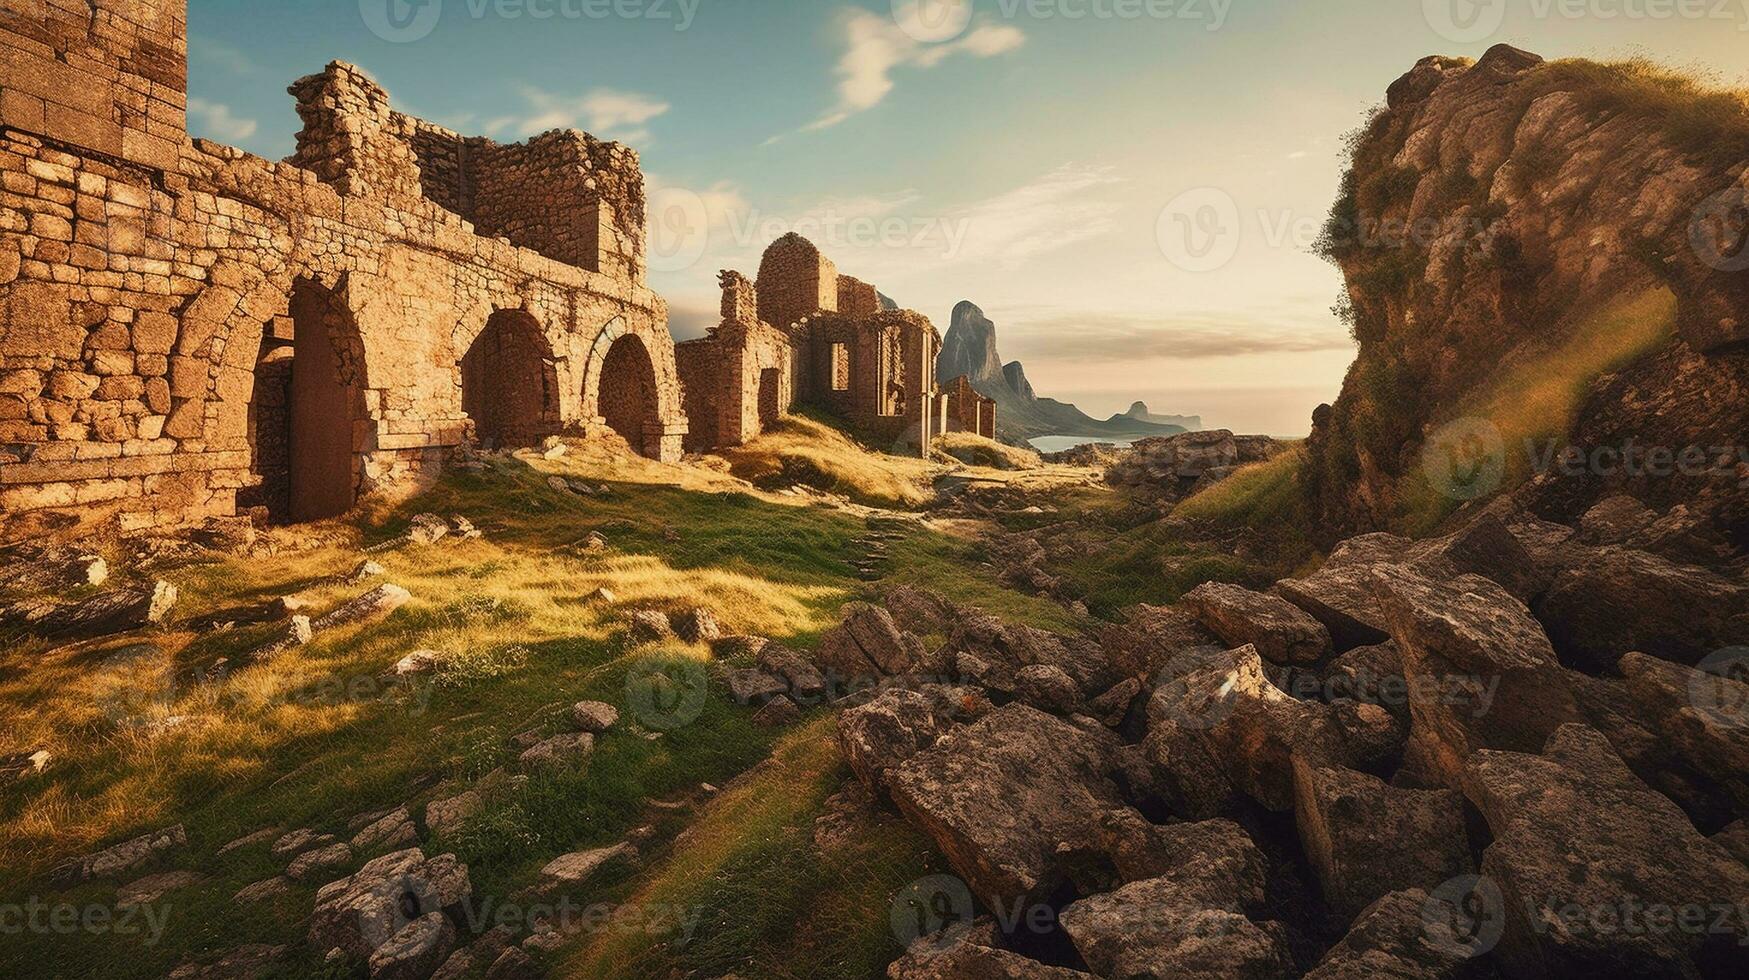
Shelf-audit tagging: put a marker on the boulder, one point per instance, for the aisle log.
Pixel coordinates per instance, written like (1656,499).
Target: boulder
(1634,729)
(594,717)
(416,663)
(1700,716)
(648,626)
(1405,935)
(1000,650)
(298,841)
(416,951)
(356,915)
(777,713)
(127,856)
(393,830)
(1574,829)
(1140,850)
(1152,637)
(1191,921)
(106,613)
(888,730)
(1341,595)
(1614,601)
(1488,547)
(1281,631)
(755,687)
(696,625)
(314,864)
(474,958)
(427,529)
(572,871)
(297,632)
(972,951)
(1047,688)
(920,611)
(449,815)
(867,644)
(1220,726)
(1000,796)
(375,604)
(559,752)
(1112,707)
(1371,674)
(806,684)
(1480,671)
(1366,839)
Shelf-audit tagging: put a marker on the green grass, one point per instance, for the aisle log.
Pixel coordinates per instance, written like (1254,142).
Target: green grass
(315,737)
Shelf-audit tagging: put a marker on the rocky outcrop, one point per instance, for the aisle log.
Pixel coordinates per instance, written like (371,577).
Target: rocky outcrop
(1613,601)
(1509,239)
(1174,467)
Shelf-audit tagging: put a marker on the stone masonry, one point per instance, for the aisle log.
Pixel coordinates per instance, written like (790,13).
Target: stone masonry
(186,329)
(963,409)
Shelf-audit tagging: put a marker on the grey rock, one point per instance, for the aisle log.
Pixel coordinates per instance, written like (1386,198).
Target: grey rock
(415,952)
(1282,632)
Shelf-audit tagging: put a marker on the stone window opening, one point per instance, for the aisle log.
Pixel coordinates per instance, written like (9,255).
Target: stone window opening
(509,388)
(627,399)
(840,367)
(770,397)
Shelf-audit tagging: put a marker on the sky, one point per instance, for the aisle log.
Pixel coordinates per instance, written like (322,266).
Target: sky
(1128,188)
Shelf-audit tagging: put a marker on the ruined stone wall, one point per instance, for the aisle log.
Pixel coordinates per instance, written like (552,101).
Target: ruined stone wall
(890,396)
(795,280)
(740,379)
(564,194)
(134,303)
(108,76)
(857,298)
(960,408)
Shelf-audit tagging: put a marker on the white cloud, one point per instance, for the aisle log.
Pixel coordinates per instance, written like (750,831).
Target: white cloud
(875,47)
(1061,208)
(606,113)
(215,120)
(234,60)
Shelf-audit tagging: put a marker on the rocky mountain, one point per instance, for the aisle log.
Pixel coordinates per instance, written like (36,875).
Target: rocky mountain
(969,349)
(1540,255)
(1139,412)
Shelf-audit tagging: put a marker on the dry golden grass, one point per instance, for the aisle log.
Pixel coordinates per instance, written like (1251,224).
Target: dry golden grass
(1537,398)
(806,451)
(1256,495)
(975,450)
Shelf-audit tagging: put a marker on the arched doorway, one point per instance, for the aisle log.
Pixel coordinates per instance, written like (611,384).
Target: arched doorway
(628,395)
(770,397)
(509,388)
(322,403)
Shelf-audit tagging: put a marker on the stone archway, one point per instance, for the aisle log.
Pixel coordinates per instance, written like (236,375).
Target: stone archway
(770,397)
(627,398)
(323,401)
(509,382)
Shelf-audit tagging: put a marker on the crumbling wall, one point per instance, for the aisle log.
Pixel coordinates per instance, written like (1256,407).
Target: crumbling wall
(857,298)
(564,194)
(960,408)
(795,280)
(134,302)
(739,379)
(890,395)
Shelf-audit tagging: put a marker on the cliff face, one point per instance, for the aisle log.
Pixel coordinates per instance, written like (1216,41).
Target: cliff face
(1513,234)
(970,349)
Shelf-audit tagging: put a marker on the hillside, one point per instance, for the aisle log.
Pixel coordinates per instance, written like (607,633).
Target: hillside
(1543,290)
(969,348)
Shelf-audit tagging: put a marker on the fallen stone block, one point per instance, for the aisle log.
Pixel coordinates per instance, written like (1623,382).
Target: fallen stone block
(106,614)
(1282,632)
(122,858)
(375,604)
(356,915)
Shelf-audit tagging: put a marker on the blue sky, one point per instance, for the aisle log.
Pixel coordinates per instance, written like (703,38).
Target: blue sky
(1003,151)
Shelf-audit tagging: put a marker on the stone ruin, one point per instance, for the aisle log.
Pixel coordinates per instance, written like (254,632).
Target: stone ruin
(964,409)
(189,331)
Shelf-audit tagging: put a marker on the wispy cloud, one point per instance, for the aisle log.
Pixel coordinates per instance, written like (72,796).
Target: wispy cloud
(875,47)
(1118,336)
(216,120)
(216,52)
(1059,209)
(603,112)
